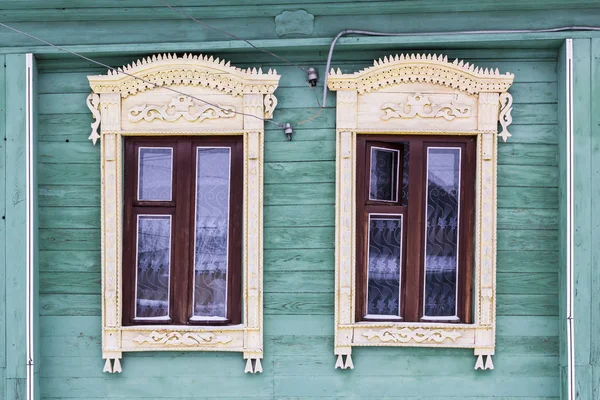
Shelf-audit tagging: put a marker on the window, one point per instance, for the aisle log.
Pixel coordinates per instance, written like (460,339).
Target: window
(182,205)
(415,219)
(182,231)
(415,223)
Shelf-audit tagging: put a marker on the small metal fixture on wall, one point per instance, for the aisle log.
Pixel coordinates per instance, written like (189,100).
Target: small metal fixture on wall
(312,76)
(288,131)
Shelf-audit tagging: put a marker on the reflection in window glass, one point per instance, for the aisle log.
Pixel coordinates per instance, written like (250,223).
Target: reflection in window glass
(212,232)
(384,174)
(154,181)
(441,234)
(385,264)
(153,266)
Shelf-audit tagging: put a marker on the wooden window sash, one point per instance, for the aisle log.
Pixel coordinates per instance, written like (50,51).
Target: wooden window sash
(414,221)
(182,209)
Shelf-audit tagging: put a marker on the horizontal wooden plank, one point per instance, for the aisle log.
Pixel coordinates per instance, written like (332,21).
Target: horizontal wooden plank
(74,261)
(508,327)
(508,153)
(184,4)
(300,151)
(299,193)
(118,11)
(300,172)
(69,196)
(296,238)
(299,238)
(527,175)
(142,388)
(302,365)
(527,197)
(68,174)
(398,366)
(296,282)
(278,194)
(527,261)
(69,217)
(527,283)
(71,261)
(69,239)
(298,260)
(538,240)
(72,304)
(527,218)
(527,154)
(527,304)
(76,128)
(325,26)
(69,153)
(70,283)
(482,387)
(299,215)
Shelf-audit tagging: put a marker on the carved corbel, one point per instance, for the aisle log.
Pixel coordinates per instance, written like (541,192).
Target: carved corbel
(93,102)
(270,104)
(505,118)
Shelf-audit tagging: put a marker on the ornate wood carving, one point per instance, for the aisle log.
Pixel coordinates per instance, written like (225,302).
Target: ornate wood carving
(436,98)
(505,117)
(118,102)
(419,105)
(173,338)
(180,107)
(418,335)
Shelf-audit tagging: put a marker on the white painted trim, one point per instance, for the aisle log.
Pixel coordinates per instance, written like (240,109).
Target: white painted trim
(570,224)
(30,229)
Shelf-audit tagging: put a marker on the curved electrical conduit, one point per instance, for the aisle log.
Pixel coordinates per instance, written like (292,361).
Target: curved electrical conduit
(374,33)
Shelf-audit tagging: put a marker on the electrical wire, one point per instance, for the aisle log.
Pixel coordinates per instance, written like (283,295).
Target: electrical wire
(318,112)
(375,33)
(121,71)
(231,35)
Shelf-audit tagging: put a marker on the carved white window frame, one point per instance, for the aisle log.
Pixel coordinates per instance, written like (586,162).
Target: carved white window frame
(122,105)
(421,95)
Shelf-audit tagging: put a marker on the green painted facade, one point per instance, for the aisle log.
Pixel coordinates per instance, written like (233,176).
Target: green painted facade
(530,361)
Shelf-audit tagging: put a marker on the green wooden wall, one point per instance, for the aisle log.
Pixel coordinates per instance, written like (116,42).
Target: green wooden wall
(299,238)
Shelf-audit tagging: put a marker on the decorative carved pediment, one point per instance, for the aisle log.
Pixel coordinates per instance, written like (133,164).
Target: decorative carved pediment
(425,68)
(188,70)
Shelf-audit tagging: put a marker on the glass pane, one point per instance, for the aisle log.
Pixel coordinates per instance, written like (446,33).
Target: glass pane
(212,231)
(155,172)
(384,174)
(441,236)
(153,266)
(385,263)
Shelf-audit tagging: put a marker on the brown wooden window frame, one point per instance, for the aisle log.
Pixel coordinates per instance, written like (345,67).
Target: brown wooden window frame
(414,220)
(182,211)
